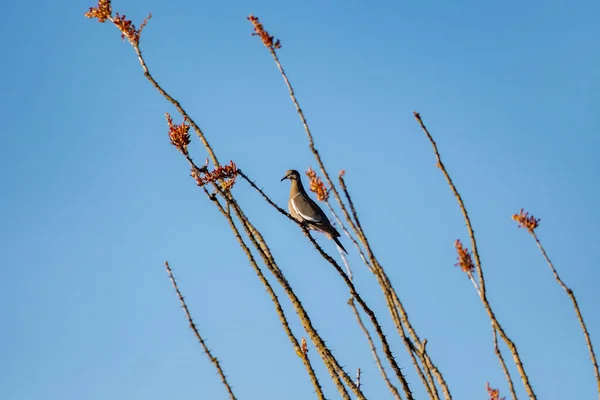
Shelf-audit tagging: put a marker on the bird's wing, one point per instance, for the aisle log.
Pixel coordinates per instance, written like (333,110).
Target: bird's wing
(307,209)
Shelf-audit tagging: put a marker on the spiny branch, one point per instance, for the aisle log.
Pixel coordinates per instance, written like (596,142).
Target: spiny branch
(531,223)
(571,295)
(212,358)
(503,364)
(384,375)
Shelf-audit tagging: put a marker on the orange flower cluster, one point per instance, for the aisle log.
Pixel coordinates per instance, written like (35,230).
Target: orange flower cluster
(317,186)
(226,173)
(526,221)
(259,30)
(493,393)
(465,262)
(103,12)
(179,134)
(128,29)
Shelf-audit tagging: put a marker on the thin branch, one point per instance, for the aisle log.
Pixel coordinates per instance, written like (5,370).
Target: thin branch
(212,358)
(384,375)
(177,105)
(571,295)
(482,292)
(503,364)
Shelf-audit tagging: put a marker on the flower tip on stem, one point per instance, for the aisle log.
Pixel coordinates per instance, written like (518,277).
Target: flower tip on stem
(317,186)
(524,220)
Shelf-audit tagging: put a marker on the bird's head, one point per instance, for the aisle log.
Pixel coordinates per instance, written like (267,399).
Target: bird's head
(292,175)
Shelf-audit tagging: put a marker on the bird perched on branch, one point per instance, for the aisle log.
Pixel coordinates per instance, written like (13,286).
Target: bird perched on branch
(306,211)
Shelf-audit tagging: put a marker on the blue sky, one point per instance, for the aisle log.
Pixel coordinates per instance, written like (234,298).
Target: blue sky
(94,198)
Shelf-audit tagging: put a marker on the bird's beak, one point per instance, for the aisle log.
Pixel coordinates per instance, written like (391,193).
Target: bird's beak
(283,179)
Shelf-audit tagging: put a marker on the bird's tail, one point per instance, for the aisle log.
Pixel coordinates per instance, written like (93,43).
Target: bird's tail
(337,241)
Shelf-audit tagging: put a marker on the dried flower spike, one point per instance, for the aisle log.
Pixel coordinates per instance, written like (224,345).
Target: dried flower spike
(179,134)
(317,186)
(526,221)
(128,30)
(465,262)
(259,30)
(227,174)
(494,394)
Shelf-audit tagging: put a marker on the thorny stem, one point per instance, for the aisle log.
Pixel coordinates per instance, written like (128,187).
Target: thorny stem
(482,293)
(212,358)
(575,306)
(178,106)
(503,364)
(350,285)
(352,305)
(389,384)
(431,370)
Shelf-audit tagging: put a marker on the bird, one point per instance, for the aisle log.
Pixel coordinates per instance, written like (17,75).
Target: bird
(304,209)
